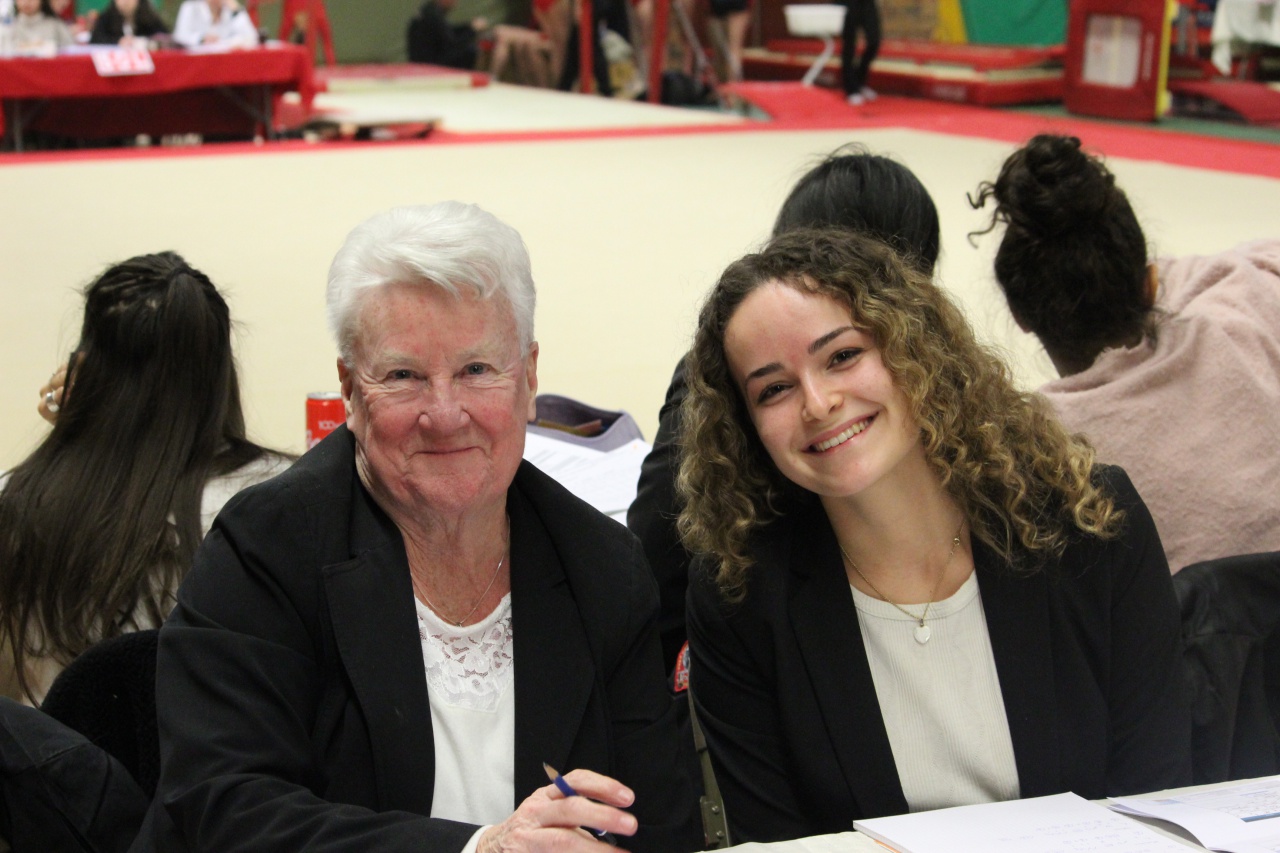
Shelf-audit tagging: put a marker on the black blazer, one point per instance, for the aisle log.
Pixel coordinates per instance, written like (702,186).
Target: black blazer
(292,702)
(1087,653)
(652,518)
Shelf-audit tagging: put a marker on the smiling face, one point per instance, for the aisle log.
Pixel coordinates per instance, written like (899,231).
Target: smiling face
(437,397)
(825,407)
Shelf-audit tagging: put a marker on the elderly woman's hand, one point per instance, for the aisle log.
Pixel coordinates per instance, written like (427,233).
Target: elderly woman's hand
(51,394)
(548,820)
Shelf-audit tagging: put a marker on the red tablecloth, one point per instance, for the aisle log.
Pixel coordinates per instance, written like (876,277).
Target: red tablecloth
(188,93)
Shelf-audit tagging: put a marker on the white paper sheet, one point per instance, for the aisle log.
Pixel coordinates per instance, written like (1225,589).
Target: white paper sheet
(1243,818)
(1063,823)
(843,842)
(607,481)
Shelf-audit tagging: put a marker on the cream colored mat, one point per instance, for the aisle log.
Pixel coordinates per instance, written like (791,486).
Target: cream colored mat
(625,235)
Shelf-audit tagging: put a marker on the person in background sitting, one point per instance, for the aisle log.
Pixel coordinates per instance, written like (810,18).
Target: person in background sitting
(606,15)
(79,24)
(124,21)
(917,590)
(100,522)
(1152,354)
(221,22)
(37,30)
(434,39)
(536,53)
(850,189)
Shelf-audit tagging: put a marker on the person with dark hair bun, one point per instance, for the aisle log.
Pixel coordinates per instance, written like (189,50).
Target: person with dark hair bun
(859,191)
(99,524)
(1150,353)
(850,189)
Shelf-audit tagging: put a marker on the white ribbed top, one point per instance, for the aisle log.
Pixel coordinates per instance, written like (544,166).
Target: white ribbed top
(941,701)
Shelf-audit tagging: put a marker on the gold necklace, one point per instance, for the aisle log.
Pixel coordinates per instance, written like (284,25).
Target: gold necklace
(459,623)
(922,631)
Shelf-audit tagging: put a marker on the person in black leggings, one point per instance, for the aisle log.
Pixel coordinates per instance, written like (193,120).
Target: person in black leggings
(611,13)
(859,15)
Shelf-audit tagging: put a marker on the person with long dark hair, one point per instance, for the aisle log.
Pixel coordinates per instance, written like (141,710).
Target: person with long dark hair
(100,523)
(1149,351)
(123,21)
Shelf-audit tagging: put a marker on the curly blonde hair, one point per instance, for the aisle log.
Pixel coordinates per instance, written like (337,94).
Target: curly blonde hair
(1022,481)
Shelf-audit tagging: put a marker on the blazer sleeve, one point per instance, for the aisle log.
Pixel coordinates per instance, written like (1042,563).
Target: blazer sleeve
(1149,706)
(652,518)
(239,678)
(734,690)
(654,756)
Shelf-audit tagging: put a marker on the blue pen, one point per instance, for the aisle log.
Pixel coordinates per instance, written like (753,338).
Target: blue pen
(567,790)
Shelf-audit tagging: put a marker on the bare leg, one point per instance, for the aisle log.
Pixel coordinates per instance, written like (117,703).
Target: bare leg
(501,51)
(736,25)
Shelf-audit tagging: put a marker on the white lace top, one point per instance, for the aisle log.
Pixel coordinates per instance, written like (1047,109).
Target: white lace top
(473,714)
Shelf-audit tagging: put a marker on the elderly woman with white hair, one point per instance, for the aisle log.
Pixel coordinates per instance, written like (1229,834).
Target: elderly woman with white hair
(342,669)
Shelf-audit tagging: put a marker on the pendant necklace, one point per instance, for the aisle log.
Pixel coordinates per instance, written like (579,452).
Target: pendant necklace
(461,622)
(922,631)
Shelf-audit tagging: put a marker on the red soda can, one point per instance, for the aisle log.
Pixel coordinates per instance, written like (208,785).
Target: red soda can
(325,413)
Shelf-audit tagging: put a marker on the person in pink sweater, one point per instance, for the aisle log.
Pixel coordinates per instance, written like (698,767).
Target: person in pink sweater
(1170,367)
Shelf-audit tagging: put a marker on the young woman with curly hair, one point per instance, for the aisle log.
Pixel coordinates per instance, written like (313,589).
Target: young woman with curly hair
(851,189)
(919,590)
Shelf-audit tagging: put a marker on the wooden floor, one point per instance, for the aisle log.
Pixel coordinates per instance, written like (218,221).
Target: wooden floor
(629,212)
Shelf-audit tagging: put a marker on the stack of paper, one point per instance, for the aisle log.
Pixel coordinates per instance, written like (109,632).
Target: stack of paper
(1063,823)
(607,481)
(1239,818)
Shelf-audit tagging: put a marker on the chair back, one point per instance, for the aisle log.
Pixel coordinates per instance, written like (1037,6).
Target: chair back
(108,694)
(1231,654)
(570,420)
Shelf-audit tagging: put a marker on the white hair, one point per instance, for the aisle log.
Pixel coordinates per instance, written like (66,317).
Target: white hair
(449,245)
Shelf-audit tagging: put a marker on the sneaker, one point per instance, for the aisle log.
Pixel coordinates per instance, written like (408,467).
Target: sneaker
(856,99)
(868,93)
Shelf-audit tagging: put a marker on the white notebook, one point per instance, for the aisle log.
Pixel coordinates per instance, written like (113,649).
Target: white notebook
(1062,823)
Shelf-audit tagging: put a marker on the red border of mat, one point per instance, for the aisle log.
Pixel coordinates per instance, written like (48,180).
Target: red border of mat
(798,108)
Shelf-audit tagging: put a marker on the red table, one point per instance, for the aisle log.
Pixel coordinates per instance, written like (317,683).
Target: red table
(206,93)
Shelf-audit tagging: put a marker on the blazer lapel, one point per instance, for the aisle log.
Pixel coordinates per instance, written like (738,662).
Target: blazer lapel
(554,668)
(376,632)
(825,622)
(1017,613)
